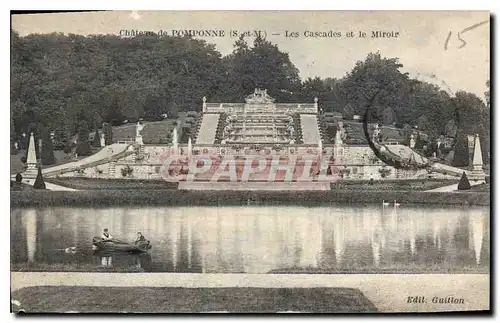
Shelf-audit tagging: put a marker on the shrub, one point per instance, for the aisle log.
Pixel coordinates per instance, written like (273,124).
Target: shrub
(96,142)
(461,151)
(108,134)
(344,172)
(127,171)
(384,172)
(83,146)
(464,183)
(39,182)
(47,149)
(348,112)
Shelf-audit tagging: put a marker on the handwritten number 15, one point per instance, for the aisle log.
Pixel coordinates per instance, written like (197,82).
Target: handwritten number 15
(448,40)
(463,32)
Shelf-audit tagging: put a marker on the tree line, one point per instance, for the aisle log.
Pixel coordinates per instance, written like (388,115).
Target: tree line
(70,84)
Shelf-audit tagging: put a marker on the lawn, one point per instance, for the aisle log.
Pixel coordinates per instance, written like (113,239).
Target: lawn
(112,184)
(156,132)
(36,198)
(480,188)
(392,185)
(56,299)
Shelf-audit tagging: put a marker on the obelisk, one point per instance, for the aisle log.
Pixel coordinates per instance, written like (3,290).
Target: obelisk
(31,160)
(477,161)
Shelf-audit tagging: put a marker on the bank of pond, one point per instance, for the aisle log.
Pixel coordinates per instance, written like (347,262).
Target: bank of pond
(172,197)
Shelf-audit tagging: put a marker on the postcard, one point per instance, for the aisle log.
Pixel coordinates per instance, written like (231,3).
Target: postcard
(250,162)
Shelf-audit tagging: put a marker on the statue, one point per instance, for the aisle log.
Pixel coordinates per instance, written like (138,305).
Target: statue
(103,140)
(412,141)
(138,136)
(376,133)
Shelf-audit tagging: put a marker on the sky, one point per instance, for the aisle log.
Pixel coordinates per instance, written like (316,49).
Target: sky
(427,43)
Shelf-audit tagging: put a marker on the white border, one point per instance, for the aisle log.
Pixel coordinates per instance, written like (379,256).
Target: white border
(211,5)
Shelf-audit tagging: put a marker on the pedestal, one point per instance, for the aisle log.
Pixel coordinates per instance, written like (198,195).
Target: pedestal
(478,173)
(31,171)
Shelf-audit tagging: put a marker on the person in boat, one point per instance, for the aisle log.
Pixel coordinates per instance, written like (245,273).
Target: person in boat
(106,236)
(140,238)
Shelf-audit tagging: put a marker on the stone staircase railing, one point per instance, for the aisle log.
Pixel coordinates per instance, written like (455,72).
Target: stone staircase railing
(298,128)
(74,168)
(219,133)
(322,128)
(196,128)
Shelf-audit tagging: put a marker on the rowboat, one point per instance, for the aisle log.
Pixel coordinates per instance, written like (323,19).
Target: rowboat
(119,246)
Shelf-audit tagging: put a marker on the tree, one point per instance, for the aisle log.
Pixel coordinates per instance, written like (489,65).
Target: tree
(348,112)
(108,134)
(425,125)
(55,77)
(173,111)
(47,149)
(263,66)
(39,182)
(82,145)
(96,142)
(388,116)
(376,81)
(419,144)
(464,183)
(313,88)
(154,108)
(451,129)
(461,150)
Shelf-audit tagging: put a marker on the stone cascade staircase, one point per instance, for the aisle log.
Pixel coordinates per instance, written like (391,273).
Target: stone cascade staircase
(310,129)
(208,128)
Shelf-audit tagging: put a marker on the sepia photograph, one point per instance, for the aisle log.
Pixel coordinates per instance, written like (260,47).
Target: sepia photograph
(250,162)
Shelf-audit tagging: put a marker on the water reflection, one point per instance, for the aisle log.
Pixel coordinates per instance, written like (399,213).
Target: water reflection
(260,239)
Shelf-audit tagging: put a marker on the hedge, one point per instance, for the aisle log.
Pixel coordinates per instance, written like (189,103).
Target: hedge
(241,198)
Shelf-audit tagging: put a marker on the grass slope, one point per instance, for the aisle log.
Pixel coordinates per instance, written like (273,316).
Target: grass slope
(53,299)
